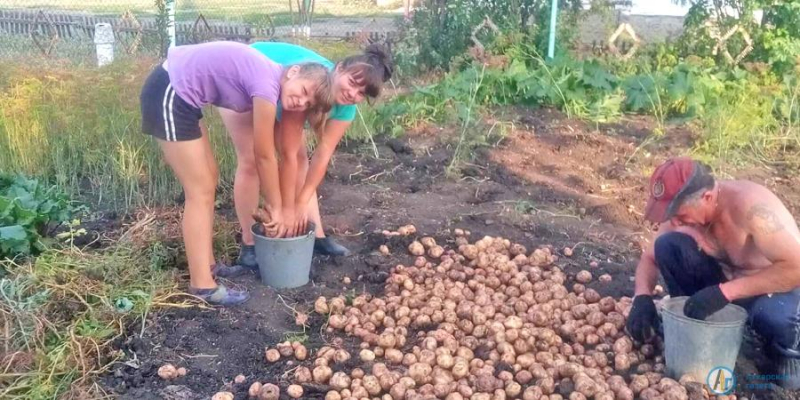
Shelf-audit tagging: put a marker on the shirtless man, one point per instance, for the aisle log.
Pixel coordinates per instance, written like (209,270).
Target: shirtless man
(722,242)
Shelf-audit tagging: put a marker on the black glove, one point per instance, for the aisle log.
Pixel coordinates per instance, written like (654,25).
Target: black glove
(643,319)
(705,302)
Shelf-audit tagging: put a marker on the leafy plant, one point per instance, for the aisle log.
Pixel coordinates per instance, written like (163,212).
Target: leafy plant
(27,209)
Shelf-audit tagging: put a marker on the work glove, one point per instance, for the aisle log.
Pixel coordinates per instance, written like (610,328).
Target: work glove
(642,319)
(705,302)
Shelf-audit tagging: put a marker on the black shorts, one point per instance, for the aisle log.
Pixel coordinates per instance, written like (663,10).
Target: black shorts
(165,114)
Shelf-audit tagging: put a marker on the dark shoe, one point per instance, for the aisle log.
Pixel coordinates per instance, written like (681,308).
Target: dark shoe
(247,257)
(227,271)
(221,295)
(787,367)
(328,247)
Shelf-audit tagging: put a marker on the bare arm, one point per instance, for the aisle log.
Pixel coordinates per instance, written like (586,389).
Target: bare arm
(264,148)
(334,131)
(767,224)
(647,269)
(291,140)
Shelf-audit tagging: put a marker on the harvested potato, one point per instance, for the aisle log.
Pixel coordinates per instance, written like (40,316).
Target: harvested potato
(239,379)
(416,248)
(341,356)
(584,277)
(222,396)
(301,352)
(322,374)
(273,355)
(167,372)
(303,375)
(340,381)
(605,278)
(285,349)
(269,391)
(254,390)
(384,250)
(295,391)
(367,355)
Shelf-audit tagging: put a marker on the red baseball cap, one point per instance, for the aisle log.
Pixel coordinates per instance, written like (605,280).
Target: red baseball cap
(671,183)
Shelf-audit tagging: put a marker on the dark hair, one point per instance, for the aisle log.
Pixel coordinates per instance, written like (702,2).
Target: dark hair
(370,69)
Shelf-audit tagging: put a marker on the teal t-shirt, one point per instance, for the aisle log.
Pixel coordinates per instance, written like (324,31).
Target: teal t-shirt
(290,54)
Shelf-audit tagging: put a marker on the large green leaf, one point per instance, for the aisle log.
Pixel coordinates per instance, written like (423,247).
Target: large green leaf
(14,240)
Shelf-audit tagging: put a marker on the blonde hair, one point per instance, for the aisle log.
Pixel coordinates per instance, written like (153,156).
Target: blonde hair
(320,76)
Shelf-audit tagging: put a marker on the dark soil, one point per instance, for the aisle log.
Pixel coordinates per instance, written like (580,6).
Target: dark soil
(552,181)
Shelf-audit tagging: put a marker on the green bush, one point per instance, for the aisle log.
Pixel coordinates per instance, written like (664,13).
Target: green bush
(27,210)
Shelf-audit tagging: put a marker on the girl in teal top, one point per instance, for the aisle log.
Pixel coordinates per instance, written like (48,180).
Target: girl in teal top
(353,79)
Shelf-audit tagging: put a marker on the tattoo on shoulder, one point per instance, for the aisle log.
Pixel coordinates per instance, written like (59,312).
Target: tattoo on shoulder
(764,220)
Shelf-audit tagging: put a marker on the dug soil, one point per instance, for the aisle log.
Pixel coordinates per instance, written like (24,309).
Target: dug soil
(551,181)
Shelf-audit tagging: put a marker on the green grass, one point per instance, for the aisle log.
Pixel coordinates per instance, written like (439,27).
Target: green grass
(64,309)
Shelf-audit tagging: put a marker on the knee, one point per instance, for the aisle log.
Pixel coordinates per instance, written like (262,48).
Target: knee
(776,319)
(246,165)
(201,193)
(669,249)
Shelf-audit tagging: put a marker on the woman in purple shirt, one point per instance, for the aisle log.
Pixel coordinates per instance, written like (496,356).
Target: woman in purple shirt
(236,77)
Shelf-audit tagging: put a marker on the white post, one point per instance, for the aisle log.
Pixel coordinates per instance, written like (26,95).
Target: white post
(171,22)
(104,42)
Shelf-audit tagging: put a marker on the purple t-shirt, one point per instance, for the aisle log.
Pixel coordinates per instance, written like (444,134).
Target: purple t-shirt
(224,74)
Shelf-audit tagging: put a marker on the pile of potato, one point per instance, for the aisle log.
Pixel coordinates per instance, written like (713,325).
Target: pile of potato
(489,321)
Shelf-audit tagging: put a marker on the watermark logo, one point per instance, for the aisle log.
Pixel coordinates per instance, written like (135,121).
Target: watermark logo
(720,380)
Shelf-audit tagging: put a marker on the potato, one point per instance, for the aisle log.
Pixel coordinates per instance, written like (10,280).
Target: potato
(303,375)
(591,296)
(547,385)
(255,388)
(486,383)
(301,352)
(223,396)
(386,381)
(523,377)
(366,355)
(269,392)
(420,372)
(649,394)
(337,321)
(341,356)
(285,349)
(532,393)
(513,389)
(181,371)
(322,374)
(272,355)
(393,356)
(624,393)
(623,345)
(576,396)
(584,277)
(372,385)
(340,381)
(295,391)
(398,391)
(167,372)
(333,395)
(586,386)
(605,278)
(416,248)
(435,252)
(638,384)
(454,396)
(647,350)
(622,363)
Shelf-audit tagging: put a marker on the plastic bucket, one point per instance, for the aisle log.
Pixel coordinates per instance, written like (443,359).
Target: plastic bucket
(697,347)
(284,262)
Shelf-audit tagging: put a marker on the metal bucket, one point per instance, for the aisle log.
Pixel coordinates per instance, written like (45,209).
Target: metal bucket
(697,347)
(284,262)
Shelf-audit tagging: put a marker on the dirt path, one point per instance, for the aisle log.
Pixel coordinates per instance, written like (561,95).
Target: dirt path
(551,182)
